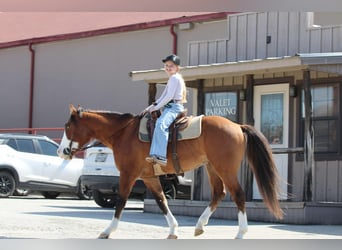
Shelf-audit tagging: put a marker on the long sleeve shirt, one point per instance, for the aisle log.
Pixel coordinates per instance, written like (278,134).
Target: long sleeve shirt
(174,90)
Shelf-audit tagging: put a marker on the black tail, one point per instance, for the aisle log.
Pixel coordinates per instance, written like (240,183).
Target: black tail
(262,164)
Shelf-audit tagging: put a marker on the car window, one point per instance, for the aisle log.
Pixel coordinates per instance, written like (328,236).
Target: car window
(25,146)
(12,143)
(48,148)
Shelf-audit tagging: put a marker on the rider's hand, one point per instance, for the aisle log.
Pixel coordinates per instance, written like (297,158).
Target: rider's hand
(142,113)
(148,109)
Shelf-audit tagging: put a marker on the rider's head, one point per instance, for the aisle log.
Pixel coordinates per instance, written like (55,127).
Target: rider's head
(171,64)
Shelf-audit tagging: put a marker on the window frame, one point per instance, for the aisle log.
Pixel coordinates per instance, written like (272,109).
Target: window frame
(321,156)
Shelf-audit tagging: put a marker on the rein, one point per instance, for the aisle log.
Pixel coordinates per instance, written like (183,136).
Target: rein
(72,151)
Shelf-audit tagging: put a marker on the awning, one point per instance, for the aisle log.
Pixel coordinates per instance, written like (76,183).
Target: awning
(325,62)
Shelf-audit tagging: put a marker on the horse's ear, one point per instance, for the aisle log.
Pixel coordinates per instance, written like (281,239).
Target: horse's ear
(72,108)
(79,111)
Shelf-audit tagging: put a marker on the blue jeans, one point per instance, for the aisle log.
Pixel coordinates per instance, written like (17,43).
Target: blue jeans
(161,131)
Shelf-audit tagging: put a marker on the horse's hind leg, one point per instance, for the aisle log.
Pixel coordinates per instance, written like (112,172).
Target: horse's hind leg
(238,196)
(218,193)
(153,184)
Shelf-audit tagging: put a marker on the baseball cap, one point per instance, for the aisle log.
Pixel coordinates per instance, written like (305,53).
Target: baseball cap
(173,58)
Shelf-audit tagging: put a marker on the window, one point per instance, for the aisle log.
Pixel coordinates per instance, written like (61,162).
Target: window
(272,117)
(12,143)
(222,104)
(26,146)
(48,148)
(326,113)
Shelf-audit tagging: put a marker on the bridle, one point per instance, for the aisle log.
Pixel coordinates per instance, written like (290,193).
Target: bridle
(71,151)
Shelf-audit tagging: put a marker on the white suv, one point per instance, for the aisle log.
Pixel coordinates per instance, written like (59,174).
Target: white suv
(31,162)
(100,175)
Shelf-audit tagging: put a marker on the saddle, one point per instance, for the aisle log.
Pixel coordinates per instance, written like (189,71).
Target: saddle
(181,122)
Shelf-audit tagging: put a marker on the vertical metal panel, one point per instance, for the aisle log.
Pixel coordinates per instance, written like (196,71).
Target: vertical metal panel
(337,38)
(315,40)
(261,35)
(193,53)
(320,182)
(297,181)
(203,53)
(293,33)
(231,50)
(304,36)
(241,37)
(212,52)
(251,36)
(283,34)
(332,181)
(272,31)
(326,40)
(221,51)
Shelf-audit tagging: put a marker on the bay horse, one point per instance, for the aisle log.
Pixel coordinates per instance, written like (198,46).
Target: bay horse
(221,147)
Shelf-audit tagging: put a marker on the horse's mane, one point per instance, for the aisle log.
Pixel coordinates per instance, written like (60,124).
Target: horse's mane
(107,112)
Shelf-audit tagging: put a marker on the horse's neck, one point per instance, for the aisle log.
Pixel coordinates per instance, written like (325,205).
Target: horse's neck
(108,127)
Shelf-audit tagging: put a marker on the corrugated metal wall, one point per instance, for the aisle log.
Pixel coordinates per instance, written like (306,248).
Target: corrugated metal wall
(269,34)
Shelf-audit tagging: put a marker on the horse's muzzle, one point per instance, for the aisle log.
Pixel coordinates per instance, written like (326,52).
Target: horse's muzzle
(64,154)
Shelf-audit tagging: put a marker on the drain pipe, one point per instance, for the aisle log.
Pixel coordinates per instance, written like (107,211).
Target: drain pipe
(32,51)
(175,39)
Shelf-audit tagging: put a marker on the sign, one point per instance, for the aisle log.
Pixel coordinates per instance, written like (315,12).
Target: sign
(221,104)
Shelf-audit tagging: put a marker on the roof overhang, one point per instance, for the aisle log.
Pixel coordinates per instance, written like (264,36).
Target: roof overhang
(312,61)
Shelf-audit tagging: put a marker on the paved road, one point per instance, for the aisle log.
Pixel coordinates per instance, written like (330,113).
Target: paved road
(34,217)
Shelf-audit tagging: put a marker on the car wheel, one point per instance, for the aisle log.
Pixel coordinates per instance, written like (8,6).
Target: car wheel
(84,193)
(50,195)
(21,192)
(7,184)
(104,200)
(169,190)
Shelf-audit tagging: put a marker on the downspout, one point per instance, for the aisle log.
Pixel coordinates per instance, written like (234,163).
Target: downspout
(32,51)
(175,39)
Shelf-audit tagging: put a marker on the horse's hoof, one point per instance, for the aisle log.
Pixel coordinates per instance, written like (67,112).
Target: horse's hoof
(240,234)
(198,232)
(103,236)
(172,237)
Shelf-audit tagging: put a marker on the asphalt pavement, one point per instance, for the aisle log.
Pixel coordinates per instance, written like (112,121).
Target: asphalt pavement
(34,217)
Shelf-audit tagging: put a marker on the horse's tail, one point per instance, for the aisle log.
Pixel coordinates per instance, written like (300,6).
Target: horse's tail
(266,174)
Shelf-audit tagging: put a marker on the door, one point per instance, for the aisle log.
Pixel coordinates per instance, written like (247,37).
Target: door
(271,114)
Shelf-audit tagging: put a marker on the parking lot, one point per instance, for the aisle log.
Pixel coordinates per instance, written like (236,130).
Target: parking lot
(33,217)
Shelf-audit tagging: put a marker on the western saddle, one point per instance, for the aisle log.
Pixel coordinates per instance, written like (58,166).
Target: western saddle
(180,123)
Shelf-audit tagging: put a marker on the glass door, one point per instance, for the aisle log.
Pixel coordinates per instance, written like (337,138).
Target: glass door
(271,106)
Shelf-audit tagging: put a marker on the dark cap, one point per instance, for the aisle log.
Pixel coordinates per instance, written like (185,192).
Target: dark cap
(173,58)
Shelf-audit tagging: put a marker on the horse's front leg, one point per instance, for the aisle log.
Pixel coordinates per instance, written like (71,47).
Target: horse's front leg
(120,205)
(153,184)
(125,188)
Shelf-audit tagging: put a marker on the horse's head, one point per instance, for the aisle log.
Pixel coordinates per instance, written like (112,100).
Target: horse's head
(76,135)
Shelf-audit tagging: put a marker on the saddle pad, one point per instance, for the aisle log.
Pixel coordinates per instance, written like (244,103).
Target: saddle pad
(191,132)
